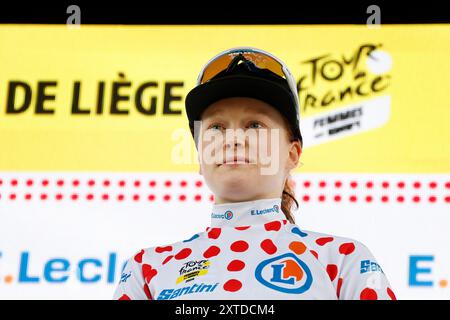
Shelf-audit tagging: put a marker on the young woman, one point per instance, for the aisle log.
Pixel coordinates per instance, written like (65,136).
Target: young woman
(244,117)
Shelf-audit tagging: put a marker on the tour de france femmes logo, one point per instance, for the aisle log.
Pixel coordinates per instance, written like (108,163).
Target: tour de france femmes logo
(192,269)
(228,215)
(284,273)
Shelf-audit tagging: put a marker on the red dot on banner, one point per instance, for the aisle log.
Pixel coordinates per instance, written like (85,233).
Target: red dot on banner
(198,197)
(120,197)
(272,226)
(12,196)
(353,198)
(321,198)
(14,182)
(211,197)
(346,248)
(369,198)
(43,196)
(168,183)
(385,184)
(75,182)
(183,183)
(45,183)
(121,183)
(384,198)
(353,184)
(432,199)
(60,183)
(416,185)
(338,184)
(391,294)
(211,252)
(29,182)
(1,182)
(447,199)
(183,254)
(239,246)
(368,294)
(232,285)
(369,184)
(322,184)
(198,184)
(268,246)
(59,196)
(152,183)
(163,249)
(236,265)
(324,240)
(135,197)
(90,196)
(151,197)
(106,183)
(182,197)
(306,184)
(401,185)
(105,197)
(137,183)
(28,196)
(214,233)
(416,199)
(91,183)
(74,196)
(306,198)
(314,253)
(332,271)
(166,197)
(400,198)
(167,259)
(339,286)
(433,185)
(447,184)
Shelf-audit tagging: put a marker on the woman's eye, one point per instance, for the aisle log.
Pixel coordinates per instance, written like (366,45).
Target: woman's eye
(215,126)
(255,125)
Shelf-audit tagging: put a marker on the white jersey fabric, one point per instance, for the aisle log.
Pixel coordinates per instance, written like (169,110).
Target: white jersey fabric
(251,251)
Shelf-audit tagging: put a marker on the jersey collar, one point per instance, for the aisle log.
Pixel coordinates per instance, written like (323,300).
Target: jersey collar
(246,213)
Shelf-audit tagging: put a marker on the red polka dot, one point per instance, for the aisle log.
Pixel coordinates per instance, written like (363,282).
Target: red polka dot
(147,292)
(391,294)
(353,184)
(332,271)
(163,249)
(385,184)
(272,226)
(314,253)
(242,228)
(214,233)
(368,294)
(417,185)
(167,259)
(168,183)
(306,184)
(323,241)
(433,185)
(400,198)
(236,265)
(211,252)
(368,198)
(338,184)
(322,198)
(232,285)
(29,182)
(239,246)
(198,184)
(138,257)
(401,185)
(369,184)
(339,286)
(124,297)
(148,272)
(268,246)
(184,253)
(322,184)
(346,248)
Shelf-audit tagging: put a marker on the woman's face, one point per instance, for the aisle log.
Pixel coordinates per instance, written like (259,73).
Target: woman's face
(245,150)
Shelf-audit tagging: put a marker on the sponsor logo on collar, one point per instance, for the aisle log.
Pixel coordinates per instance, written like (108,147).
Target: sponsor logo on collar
(228,215)
(257,212)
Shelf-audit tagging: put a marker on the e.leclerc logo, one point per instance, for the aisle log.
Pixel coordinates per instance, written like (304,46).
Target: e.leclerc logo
(257,212)
(228,215)
(285,273)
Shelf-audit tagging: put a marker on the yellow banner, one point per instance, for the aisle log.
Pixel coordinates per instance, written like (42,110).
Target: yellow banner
(111,98)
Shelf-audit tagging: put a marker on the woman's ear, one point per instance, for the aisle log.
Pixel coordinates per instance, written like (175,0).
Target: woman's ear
(295,152)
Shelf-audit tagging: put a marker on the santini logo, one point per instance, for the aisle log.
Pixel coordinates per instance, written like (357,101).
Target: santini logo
(264,211)
(227,215)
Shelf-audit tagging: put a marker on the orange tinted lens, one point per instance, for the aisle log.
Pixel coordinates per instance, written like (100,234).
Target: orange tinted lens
(262,61)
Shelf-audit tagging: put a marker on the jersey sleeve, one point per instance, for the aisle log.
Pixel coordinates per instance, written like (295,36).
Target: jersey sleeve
(361,277)
(132,285)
